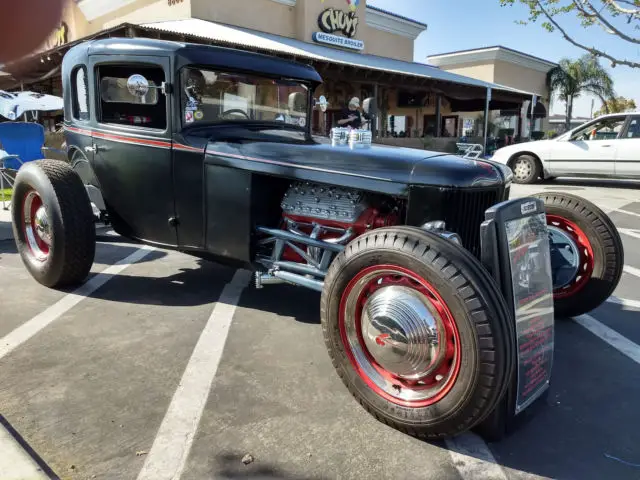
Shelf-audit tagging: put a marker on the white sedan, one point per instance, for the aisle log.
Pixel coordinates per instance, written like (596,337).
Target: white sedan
(608,146)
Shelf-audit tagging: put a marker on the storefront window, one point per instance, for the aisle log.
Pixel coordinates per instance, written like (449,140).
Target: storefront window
(215,97)
(399,126)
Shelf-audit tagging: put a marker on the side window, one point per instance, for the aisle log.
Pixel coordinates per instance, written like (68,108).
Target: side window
(80,94)
(119,106)
(605,129)
(634,128)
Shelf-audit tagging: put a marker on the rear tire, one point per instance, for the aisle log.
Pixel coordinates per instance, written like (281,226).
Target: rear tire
(53,223)
(476,342)
(600,249)
(526,169)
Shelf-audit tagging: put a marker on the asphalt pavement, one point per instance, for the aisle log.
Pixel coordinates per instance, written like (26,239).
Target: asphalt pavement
(165,366)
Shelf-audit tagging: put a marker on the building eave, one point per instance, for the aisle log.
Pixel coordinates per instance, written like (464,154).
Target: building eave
(390,23)
(490,54)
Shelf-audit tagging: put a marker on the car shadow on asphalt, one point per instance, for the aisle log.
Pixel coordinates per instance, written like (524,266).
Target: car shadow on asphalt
(285,300)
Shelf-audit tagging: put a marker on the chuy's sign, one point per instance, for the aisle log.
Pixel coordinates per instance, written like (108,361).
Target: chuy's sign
(332,20)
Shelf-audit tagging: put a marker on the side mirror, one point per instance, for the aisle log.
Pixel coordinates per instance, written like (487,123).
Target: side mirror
(369,106)
(138,85)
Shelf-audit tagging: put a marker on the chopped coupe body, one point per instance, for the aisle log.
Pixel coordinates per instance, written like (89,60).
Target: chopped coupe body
(428,272)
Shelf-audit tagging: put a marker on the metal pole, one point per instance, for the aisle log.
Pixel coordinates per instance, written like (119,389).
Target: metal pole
(486,119)
(534,100)
(438,114)
(374,119)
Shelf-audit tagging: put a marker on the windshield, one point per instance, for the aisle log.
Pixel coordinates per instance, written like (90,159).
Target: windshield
(209,96)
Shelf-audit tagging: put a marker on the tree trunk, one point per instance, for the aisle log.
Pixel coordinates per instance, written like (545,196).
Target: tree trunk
(567,121)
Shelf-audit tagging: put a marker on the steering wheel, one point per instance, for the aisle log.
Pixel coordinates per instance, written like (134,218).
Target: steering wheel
(236,110)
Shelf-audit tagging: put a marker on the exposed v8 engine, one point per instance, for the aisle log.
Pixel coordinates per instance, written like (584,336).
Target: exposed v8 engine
(333,214)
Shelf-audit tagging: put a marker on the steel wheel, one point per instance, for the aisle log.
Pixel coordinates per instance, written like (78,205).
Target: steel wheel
(587,254)
(36,225)
(525,168)
(417,331)
(52,223)
(400,336)
(571,256)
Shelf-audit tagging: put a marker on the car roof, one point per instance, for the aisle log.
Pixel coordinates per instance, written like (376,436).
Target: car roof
(197,54)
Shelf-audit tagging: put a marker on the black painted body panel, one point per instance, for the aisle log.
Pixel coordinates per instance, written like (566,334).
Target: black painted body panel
(219,183)
(376,168)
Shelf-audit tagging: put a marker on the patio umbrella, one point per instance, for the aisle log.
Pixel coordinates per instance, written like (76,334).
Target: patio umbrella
(14,104)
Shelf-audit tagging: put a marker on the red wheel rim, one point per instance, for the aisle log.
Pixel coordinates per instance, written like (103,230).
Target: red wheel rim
(400,336)
(35,226)
(585,253)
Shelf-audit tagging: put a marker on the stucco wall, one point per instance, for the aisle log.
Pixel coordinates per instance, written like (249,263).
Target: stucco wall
(146,11)
(521,77)
(262,15)
(481,70)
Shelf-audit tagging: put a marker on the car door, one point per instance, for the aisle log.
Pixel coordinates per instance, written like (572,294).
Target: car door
(628,151)
(590,150)
(132,146)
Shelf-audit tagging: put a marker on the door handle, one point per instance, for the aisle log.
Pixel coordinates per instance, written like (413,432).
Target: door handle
(606,146)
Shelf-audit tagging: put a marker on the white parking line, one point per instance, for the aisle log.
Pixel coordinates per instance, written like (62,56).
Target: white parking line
(627,212)
(472,458)
(625,302)
(170,449)
(28,329)
(629,231)
(613,338)
(632,270)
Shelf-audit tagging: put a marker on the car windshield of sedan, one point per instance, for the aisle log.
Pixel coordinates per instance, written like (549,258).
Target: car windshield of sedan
(209,96)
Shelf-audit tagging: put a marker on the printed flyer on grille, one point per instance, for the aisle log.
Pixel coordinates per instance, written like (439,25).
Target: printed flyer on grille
(530,259)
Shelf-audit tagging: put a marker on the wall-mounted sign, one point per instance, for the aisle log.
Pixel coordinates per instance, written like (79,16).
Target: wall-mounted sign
(333,20)
(338,41)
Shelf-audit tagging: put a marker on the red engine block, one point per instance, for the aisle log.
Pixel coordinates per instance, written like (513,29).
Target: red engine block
(370,219)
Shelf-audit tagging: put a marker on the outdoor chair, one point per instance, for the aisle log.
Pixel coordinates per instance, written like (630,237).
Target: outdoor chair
(20,142)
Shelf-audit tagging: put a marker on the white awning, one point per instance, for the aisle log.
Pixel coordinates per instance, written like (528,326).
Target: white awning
(233,35)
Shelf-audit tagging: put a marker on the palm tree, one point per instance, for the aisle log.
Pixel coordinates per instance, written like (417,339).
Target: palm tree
(569,79)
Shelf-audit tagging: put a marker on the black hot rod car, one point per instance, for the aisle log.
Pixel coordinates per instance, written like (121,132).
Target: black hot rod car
(428,272)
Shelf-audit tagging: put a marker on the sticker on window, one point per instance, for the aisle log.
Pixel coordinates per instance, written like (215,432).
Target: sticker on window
(188,116)
(198,115)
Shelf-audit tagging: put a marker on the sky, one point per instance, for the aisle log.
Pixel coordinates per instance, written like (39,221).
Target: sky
(464,24)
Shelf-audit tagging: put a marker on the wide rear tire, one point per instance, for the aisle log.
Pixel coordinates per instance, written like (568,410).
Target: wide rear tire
(589,231)
(53,223)
(386,354)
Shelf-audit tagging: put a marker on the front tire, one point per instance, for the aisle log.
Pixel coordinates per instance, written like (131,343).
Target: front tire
(53,223)
(417,331)
(587,253)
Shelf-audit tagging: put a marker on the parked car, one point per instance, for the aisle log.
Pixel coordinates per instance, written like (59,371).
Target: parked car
(208,151)
(608,146)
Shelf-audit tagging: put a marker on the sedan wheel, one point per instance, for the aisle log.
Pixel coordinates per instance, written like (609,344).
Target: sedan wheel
(526,169)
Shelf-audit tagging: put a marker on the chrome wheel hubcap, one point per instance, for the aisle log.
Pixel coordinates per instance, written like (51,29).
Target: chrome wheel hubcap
(43,229)
(400,336)
(401,332)
(36,225)
(522,169)
(565,257)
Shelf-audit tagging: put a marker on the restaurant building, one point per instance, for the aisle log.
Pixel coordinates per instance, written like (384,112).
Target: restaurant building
(359,50)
